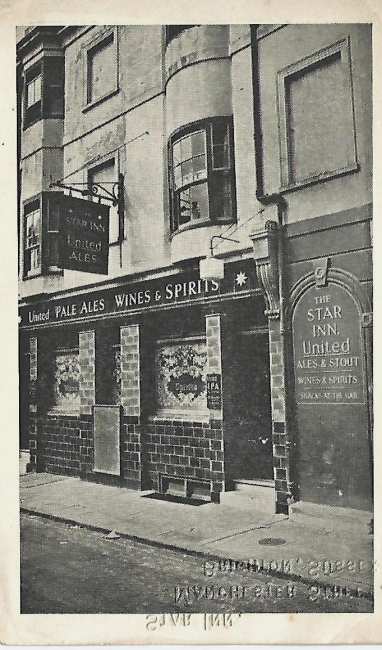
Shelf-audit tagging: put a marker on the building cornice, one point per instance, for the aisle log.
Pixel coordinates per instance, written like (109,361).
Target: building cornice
(36,36)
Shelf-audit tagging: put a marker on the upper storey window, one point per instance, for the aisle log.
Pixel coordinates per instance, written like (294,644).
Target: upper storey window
(107,173)
(44,90)
(202,174)
(32,239)
(41,235)
(34,91)
(101,68)
(317,136)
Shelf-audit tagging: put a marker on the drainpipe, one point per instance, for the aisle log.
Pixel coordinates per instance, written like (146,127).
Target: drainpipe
(268,199)
(265,199)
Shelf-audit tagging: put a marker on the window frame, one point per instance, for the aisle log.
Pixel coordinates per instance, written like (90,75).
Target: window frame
(41,109)
(185,413)
(53,408)
(27,87)
(31,206)
(32,113)
(304,65)
(95,45)
(105,162)
(212,177)
(43,200)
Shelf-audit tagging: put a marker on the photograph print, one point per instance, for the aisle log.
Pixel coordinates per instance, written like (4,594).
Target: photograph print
(195,319)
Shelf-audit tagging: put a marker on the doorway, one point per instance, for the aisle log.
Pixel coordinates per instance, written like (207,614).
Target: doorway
(249,451)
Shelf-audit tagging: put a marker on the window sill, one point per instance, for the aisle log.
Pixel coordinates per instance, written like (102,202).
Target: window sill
(99,100)
(201,224)
(32,276)
(184,416)
(57,413)
(320,178)
(52,270)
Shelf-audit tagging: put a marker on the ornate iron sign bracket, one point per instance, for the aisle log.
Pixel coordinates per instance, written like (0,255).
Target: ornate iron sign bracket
(112,191)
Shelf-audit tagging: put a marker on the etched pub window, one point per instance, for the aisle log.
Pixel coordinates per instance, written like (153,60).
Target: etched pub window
(180,376)
(66,380)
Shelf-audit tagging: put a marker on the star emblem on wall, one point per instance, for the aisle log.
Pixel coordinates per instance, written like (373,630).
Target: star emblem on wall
(241,279)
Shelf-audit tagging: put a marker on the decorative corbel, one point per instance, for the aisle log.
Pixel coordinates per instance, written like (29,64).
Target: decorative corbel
(265,248)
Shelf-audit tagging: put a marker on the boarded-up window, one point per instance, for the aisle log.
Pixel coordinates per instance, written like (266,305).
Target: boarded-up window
(316,116)
(180,375)
(102,68)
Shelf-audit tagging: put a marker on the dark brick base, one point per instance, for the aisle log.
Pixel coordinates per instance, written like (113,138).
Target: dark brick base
(172,448)
(179,448)
(64,444)
(131,453)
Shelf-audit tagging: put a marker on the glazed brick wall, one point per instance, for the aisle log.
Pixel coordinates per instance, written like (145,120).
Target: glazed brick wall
(131,443)
(130,370)
(65,444)
(131,453)
(185,449)
(33,424)
(281,464)
(87,365)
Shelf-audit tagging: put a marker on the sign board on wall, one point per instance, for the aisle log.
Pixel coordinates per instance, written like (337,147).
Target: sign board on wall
(327,343)
(240,277)
(214,393)
(84,235)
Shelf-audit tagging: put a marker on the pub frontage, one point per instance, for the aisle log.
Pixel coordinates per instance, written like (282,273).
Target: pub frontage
(129,384)
(190,386)
(141,367)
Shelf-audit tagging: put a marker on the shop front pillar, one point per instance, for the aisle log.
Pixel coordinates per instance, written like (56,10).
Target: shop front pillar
(266,245)
(33,406)
(87,399)
(214,340)
(87,365)
(131,452)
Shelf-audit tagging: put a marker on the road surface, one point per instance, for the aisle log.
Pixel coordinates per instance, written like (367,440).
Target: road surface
(68,569)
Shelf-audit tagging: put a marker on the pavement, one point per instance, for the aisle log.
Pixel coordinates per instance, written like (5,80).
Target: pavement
(321,545)
(99,574)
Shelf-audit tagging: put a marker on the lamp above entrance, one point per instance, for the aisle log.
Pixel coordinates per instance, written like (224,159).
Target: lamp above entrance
(211,268)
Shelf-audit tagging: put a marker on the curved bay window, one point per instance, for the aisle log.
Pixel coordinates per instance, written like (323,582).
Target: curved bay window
(202,179)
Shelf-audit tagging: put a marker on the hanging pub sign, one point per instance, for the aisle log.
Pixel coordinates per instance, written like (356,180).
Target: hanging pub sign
(214,393)
(84,235)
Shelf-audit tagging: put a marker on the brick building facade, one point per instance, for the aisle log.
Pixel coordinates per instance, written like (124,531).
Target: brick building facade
(252,142)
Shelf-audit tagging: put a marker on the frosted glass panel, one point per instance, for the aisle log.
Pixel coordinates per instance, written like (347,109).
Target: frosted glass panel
(180,376)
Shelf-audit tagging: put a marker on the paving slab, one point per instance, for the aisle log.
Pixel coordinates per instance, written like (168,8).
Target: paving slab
(312,548)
